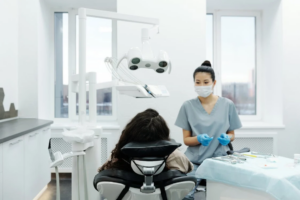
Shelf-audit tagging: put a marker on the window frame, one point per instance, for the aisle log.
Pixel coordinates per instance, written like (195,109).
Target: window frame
(72,69)
(217,54)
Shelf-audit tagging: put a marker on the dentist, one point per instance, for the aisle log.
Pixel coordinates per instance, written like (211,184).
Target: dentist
(208,121)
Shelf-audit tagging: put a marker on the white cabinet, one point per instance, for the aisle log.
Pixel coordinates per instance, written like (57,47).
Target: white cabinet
(32,164)
(45,170)
(1,163)
(1,156)
(13,169)
(1,186)
(25,165)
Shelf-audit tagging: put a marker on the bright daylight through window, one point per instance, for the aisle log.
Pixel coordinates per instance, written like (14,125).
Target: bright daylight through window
(99,46)
(237,59)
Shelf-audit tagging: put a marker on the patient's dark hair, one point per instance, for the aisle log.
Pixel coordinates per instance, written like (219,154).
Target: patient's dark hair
(205,67)
(146,126)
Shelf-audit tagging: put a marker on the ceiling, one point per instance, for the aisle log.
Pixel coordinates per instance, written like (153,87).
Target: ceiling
(108,5)
(240,4)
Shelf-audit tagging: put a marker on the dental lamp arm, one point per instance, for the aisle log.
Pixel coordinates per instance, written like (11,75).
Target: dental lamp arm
(148,32)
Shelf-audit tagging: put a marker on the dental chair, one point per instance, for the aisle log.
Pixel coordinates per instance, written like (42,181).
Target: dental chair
(148,180)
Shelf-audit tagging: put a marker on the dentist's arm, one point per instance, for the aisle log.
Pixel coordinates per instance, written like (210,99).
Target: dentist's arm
(188,139)
(231,135)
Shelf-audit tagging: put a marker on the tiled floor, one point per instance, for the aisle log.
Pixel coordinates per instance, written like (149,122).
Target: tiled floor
(65,189)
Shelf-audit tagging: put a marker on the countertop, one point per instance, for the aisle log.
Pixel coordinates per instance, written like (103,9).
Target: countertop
(21,126)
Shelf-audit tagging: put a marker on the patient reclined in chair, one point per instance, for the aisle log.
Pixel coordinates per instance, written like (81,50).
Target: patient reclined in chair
(148,179)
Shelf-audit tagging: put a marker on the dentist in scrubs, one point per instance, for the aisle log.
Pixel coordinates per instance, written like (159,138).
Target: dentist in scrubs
(207,121)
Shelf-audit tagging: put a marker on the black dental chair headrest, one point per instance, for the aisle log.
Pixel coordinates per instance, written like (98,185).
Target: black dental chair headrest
(159,148)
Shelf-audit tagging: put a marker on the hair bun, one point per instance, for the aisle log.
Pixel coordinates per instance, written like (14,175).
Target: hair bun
(206,63)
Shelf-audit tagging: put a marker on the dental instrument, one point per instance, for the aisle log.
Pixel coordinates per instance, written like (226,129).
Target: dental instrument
(240,156)
(253,156)
(239,159)
(225,160)
(262,154)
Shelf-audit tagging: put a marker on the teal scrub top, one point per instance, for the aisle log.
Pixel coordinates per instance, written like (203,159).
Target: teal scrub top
(193,117)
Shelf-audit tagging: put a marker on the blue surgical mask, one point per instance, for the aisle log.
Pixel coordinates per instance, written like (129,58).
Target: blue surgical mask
(204,91)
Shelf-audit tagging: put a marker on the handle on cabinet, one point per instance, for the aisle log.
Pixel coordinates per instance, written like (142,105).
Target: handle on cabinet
(33,135)
(12,143)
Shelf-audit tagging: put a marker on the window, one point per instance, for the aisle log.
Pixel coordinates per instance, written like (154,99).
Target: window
(235,58)
(61,65)
(98,46)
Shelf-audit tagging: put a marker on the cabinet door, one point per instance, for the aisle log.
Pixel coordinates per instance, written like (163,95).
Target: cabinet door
(1,177)
(32,164)
(1,157)
(13,169)
(1,163)
(45,172)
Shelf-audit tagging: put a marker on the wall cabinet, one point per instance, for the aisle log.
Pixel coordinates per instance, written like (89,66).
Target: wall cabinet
(25,165)
(1,164)
(44,156)
(13,169)
(1,186)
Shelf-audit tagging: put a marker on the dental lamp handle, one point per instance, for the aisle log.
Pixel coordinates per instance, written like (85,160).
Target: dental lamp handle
(148,32)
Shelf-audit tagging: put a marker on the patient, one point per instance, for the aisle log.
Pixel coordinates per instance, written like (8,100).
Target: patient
(146,126)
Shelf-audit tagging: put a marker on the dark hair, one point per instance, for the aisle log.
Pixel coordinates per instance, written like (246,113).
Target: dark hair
(146,126)
(205,67)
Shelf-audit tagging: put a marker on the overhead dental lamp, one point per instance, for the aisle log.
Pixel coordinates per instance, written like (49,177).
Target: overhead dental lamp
(145,58)
(125,82)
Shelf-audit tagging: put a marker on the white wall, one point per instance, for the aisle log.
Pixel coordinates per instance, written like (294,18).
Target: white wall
(9,51)
(45,59)
(28,58)
(290,137)
(272,45)
(35,59)
(182,35)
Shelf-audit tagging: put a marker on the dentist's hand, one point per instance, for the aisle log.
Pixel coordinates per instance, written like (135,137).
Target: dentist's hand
(204,139)
(224,139)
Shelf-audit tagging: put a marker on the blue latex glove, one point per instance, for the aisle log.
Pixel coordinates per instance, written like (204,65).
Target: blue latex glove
(204,139)
(224,139)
